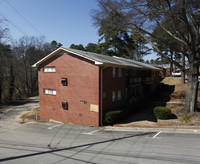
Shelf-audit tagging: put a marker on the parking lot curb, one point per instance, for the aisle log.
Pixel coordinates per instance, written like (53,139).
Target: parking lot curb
(167,130)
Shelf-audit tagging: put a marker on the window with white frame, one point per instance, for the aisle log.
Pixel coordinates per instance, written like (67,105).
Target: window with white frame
(49,69)
(119,95)
(113,96)
(50,91)
(117,72)
(116,95)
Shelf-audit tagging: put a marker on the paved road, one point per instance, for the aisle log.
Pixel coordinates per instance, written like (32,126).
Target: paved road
(8,117)
(64,143)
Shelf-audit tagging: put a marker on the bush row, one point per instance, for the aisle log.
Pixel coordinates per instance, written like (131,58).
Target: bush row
(112,117)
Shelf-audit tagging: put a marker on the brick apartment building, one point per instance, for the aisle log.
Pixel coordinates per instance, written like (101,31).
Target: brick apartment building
(78,86)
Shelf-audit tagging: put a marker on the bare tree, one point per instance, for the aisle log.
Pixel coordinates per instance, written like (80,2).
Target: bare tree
(28,50)
(144,15)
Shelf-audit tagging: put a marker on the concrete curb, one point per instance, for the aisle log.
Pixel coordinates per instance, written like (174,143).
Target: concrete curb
(167,130)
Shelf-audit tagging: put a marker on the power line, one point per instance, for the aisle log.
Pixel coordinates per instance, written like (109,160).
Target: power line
(23,17)
(12,23)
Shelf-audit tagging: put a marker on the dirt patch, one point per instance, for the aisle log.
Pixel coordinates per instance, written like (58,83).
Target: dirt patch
(180,89)
(177,83)
(4,107)
(160,124)
(30,116)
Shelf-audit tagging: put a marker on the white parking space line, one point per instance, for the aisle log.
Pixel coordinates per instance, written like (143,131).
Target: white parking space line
(90,133)
(157,134)
(55,126)
(30,123)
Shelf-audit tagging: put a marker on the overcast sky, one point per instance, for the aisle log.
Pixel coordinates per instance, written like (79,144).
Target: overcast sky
(66,21)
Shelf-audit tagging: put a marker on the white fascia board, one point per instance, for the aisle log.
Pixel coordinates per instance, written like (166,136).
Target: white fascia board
(98,63)
(85,57)
(47,57)
(66,50)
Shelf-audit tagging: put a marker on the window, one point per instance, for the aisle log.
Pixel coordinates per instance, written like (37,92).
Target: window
(116,95)
(64,81)
(65,105)
(49,69)
(113,96)
(117,72)
(50,91)
(119,95)
(104,95)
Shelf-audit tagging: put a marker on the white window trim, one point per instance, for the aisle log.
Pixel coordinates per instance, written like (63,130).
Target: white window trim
(116,95)
(113,96)
(49,91)
(119,95)
(49,69)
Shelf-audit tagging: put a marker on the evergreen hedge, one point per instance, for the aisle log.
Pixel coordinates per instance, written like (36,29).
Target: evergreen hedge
(112,117)
(162,112)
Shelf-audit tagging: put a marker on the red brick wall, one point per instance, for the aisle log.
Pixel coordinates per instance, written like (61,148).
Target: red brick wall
(83,84)
(111,84)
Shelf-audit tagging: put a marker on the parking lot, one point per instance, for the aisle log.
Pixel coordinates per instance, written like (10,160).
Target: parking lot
(66,143)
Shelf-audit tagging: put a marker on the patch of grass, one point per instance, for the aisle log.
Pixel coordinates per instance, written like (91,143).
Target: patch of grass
(186,119)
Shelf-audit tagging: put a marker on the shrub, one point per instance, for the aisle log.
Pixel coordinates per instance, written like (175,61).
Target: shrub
(162,112)
(112,117)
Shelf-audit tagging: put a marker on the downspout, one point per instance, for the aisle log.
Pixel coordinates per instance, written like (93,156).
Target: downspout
(101,112)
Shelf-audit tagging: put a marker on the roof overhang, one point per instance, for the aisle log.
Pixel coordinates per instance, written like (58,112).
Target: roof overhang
(102,61)
(47,57)
(61,49)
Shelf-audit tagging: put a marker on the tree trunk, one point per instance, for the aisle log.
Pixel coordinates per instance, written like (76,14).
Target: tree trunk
(192,91)
(182,72)
(171,64)
(11,84)
(0,87)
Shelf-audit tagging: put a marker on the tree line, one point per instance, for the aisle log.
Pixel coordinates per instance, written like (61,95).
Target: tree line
(17,78)
(118,43)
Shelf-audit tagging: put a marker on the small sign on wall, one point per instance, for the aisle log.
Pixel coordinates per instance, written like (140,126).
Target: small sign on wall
(94,108)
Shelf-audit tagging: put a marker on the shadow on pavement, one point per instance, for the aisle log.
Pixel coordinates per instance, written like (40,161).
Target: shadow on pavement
(54,150)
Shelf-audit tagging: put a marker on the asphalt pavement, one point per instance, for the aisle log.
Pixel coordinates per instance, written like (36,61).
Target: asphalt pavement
(58,143)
